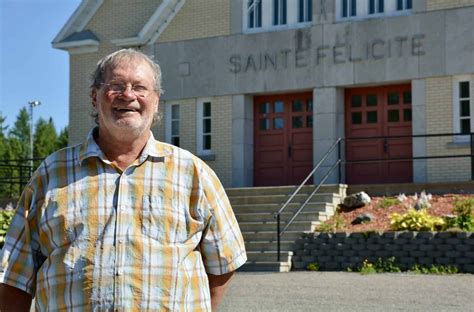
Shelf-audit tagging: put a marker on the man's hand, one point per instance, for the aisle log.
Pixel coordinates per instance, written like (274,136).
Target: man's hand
(218,285)
(13,299)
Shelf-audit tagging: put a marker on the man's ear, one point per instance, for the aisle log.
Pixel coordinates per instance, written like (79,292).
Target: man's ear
(94,97)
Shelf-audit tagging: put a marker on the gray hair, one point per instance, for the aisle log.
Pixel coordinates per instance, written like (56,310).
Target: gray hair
(111,60)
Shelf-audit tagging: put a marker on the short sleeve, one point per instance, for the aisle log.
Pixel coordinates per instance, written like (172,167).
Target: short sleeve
(222,246)
(19,256)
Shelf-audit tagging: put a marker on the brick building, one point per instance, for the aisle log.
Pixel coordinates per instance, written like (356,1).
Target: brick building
(261,89)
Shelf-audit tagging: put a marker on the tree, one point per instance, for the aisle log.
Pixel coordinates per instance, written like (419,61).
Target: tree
(63,138)
(21,132)
(45,138)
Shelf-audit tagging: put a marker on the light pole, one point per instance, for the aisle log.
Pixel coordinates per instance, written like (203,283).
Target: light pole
(32,104)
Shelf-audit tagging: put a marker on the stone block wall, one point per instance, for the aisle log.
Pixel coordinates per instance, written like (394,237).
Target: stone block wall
(447,4)
(339,251)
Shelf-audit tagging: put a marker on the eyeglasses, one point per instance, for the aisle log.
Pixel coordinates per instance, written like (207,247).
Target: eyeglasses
(120,87)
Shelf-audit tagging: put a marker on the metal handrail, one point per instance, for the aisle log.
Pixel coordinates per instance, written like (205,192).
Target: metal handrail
(279,212)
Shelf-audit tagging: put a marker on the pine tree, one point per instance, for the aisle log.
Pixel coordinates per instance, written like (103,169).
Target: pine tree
(63,138)
(45,138)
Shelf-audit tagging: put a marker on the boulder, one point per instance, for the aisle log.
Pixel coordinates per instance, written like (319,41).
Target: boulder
(363,217)
(356,200)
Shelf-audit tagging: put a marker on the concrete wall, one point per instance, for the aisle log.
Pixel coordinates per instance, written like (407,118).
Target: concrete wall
(365,52)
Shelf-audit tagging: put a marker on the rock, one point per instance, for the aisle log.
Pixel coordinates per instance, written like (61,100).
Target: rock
(356,200)
(363,217)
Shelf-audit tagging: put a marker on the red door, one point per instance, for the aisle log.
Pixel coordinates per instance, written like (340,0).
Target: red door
(372,112)
(283,137)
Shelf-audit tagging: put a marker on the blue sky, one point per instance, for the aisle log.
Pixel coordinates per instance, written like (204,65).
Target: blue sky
(30,69)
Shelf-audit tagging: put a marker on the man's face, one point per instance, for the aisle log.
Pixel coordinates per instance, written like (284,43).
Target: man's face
(126,112)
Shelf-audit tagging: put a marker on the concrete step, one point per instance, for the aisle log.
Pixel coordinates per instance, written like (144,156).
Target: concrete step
(268,245)
(288,190)
(280,199)
(310,215)
(260,256)
(271,235)
(301,226)
(272,208)
(265,266)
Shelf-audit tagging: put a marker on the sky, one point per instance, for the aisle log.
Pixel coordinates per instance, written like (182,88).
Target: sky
(30,68)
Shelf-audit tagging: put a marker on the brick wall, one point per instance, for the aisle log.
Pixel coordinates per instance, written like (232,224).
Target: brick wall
(221,127)
(339,251)
(199,19)
(446,4)
(439,119)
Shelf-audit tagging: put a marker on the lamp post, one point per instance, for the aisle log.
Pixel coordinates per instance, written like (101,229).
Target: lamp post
(32,104)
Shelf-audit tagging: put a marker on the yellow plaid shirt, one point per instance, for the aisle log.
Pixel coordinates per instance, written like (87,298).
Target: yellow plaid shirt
(87,236)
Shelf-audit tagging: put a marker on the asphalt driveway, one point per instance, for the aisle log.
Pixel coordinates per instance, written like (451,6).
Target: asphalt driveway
(341,291)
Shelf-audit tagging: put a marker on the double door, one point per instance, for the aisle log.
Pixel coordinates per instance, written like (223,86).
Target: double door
(373,114)
(283,138)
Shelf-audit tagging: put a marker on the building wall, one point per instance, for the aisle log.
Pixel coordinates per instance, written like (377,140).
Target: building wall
(198,19)
(221,127)
(447,4)
(439,118)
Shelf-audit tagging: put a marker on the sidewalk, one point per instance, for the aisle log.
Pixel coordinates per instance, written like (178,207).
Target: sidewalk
(340,291)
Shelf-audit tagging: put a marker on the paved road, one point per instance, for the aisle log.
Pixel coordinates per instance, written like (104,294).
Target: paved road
(340,291)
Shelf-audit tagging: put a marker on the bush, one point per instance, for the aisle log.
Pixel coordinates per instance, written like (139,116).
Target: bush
(415,220)
(336,223)
(312,266)
(388,202)
(464,210)
(6,217)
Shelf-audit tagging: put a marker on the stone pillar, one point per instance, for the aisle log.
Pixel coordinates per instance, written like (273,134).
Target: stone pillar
(419,127)
(328,126)
(242,141)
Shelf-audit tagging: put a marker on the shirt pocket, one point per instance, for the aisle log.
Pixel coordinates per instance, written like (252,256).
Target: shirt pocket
(163,221)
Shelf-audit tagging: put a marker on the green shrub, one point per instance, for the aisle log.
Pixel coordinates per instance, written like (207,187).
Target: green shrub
(336,223)
(464,214)
(388,202)
(415,220)
(312,266)
(434,269)
(380,266)
(6,217)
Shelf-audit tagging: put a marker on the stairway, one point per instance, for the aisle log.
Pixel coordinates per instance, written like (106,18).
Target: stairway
(254,208)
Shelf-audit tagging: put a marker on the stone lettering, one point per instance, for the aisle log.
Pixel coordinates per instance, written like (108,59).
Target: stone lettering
(375,43)
(400,41)
(300,59)
(250,64)
(417,45)
(338,54)
(234,60)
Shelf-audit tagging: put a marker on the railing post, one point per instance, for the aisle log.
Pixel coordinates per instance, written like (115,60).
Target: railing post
(472,155)
(278,237)
(339,158)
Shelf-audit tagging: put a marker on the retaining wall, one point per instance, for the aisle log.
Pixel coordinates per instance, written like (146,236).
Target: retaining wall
(339,251)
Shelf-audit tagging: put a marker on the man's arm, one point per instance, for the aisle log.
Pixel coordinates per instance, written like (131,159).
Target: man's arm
(14,299)
(218,285)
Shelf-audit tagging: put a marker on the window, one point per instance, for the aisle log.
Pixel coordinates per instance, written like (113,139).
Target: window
(172,124)
(376,6)
(349,8)
(204,127)
(254,13)
(463,106)
(175,125)
(305,11)
(362,9)
(270,15)
(404,5)
(279,12)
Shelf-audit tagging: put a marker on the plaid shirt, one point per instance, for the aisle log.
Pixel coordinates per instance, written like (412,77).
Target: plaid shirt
(88,236)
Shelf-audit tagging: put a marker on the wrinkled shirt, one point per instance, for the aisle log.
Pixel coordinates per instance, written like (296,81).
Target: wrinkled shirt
(88,236)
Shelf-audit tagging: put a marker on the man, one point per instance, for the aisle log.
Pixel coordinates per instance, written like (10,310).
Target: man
(122,221)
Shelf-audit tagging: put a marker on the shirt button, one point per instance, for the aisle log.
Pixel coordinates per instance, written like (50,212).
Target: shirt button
(119,272)
(121,241)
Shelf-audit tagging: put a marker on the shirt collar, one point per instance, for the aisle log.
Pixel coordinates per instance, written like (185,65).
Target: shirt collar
(90,148)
